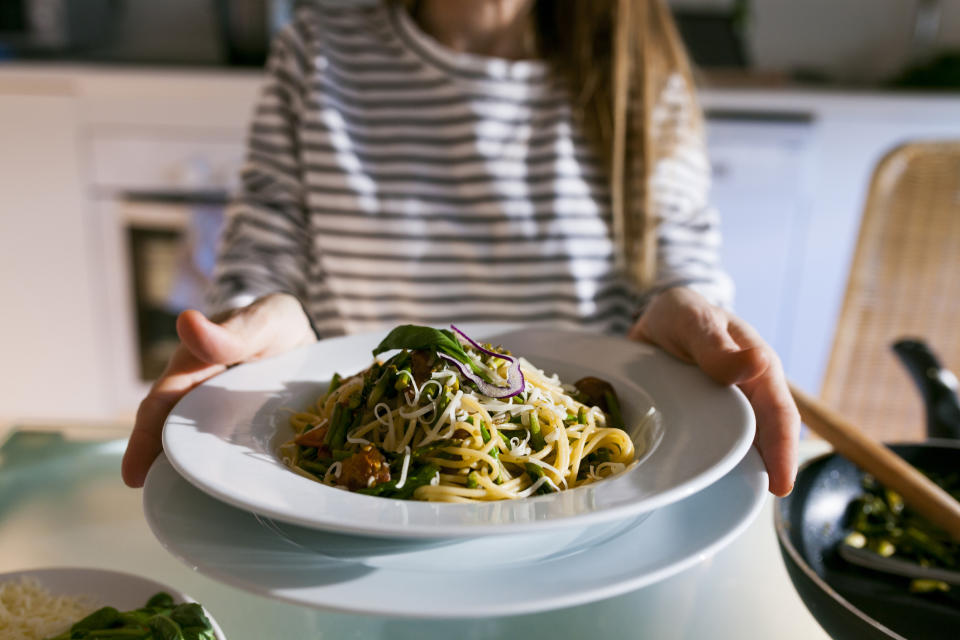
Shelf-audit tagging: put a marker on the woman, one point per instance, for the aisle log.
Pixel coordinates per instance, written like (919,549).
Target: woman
(432,161)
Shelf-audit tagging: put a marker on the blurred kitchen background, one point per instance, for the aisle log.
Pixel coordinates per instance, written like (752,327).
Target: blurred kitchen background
(122,125)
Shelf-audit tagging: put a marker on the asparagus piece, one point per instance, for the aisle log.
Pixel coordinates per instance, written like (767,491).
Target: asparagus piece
(334,385)
(613,406)
(473,480)
(582,415)
(416,479)
(380,388)
(536,436)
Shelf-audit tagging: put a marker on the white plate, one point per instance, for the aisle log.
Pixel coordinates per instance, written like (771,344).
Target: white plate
(223,435)
(102,588)
(482,577)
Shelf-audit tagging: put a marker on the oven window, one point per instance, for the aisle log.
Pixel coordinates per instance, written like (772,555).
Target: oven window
(155,254)
(171,266)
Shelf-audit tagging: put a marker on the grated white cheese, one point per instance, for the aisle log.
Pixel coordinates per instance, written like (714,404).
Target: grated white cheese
(334,471)
(353,440)
(419,412)
(403,469)
(536,485)
(30,612)
(520,448)
(546,465)
(447,374)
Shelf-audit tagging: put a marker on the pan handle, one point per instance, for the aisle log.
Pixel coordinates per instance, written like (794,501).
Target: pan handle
(937,385)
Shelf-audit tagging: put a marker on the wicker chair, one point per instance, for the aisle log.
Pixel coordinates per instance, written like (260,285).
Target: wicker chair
(905,281)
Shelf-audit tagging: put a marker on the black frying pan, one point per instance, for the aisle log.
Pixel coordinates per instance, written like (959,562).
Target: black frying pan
(851,602)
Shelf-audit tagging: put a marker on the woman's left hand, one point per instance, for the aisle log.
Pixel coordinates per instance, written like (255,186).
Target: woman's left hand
(685,324)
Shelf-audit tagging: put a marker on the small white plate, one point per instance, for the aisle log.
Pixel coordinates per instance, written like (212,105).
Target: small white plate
(223,435)
(481,577)
(102,588)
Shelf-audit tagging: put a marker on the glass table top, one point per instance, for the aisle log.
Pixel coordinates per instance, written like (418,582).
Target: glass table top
(62,503)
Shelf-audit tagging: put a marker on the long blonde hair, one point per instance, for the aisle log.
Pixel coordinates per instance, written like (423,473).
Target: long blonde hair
(618,55)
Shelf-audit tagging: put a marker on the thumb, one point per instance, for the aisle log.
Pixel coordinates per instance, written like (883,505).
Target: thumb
(231,341)
(721,358)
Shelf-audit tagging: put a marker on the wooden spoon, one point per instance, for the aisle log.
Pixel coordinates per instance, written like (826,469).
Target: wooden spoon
(919,492)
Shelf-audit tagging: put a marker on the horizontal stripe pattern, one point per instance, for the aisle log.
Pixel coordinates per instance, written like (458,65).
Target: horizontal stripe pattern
(389,180)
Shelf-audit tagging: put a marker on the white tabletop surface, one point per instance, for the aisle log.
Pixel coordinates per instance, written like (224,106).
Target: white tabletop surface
(64,504)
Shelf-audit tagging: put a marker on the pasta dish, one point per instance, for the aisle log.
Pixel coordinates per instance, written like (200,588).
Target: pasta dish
(447,419)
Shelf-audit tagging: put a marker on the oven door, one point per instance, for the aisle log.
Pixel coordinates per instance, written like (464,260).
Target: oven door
(163,249)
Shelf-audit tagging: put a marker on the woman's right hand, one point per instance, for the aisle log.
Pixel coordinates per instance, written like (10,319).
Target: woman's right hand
(270,325)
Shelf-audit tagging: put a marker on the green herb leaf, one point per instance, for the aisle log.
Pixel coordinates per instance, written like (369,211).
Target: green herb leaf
(412,336)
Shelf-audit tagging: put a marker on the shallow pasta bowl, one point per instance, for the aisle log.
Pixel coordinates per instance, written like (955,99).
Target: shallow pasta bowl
(223,436)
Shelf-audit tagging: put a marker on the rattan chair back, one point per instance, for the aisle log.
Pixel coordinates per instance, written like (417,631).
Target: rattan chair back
(904,282)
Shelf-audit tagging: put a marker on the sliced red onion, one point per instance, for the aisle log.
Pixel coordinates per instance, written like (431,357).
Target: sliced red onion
(515,380)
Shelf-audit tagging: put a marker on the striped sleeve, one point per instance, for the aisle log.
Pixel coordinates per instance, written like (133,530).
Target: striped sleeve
(688,228)
(265,247)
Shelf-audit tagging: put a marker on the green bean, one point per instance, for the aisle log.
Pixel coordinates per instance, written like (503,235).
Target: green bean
(404,379)
(508,434)
(334,385)
(613,405)
(338,411)
(535,472)
(318,469)
(536,436)
(355,400)
(582,415)
(423,477)
(430,449)
(415,479)
(338,432)
(441,407)
(429,392)
(381,385)
(473,480)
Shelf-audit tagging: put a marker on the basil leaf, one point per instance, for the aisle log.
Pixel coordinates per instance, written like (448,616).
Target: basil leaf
(411,336)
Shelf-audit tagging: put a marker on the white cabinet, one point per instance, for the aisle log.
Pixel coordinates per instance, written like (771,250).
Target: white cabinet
(72,141)
(791,195)
(50,365)
(761,186)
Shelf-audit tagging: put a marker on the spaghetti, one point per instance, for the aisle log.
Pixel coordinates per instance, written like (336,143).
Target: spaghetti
(418,426)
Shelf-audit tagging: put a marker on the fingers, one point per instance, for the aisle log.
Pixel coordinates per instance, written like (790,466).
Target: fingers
(707,339)
(731,352)
(778,421)
(778,428)
(184,372)
(228,343)
(270,325)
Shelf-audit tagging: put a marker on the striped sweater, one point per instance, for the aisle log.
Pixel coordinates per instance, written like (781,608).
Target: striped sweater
(392,180)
